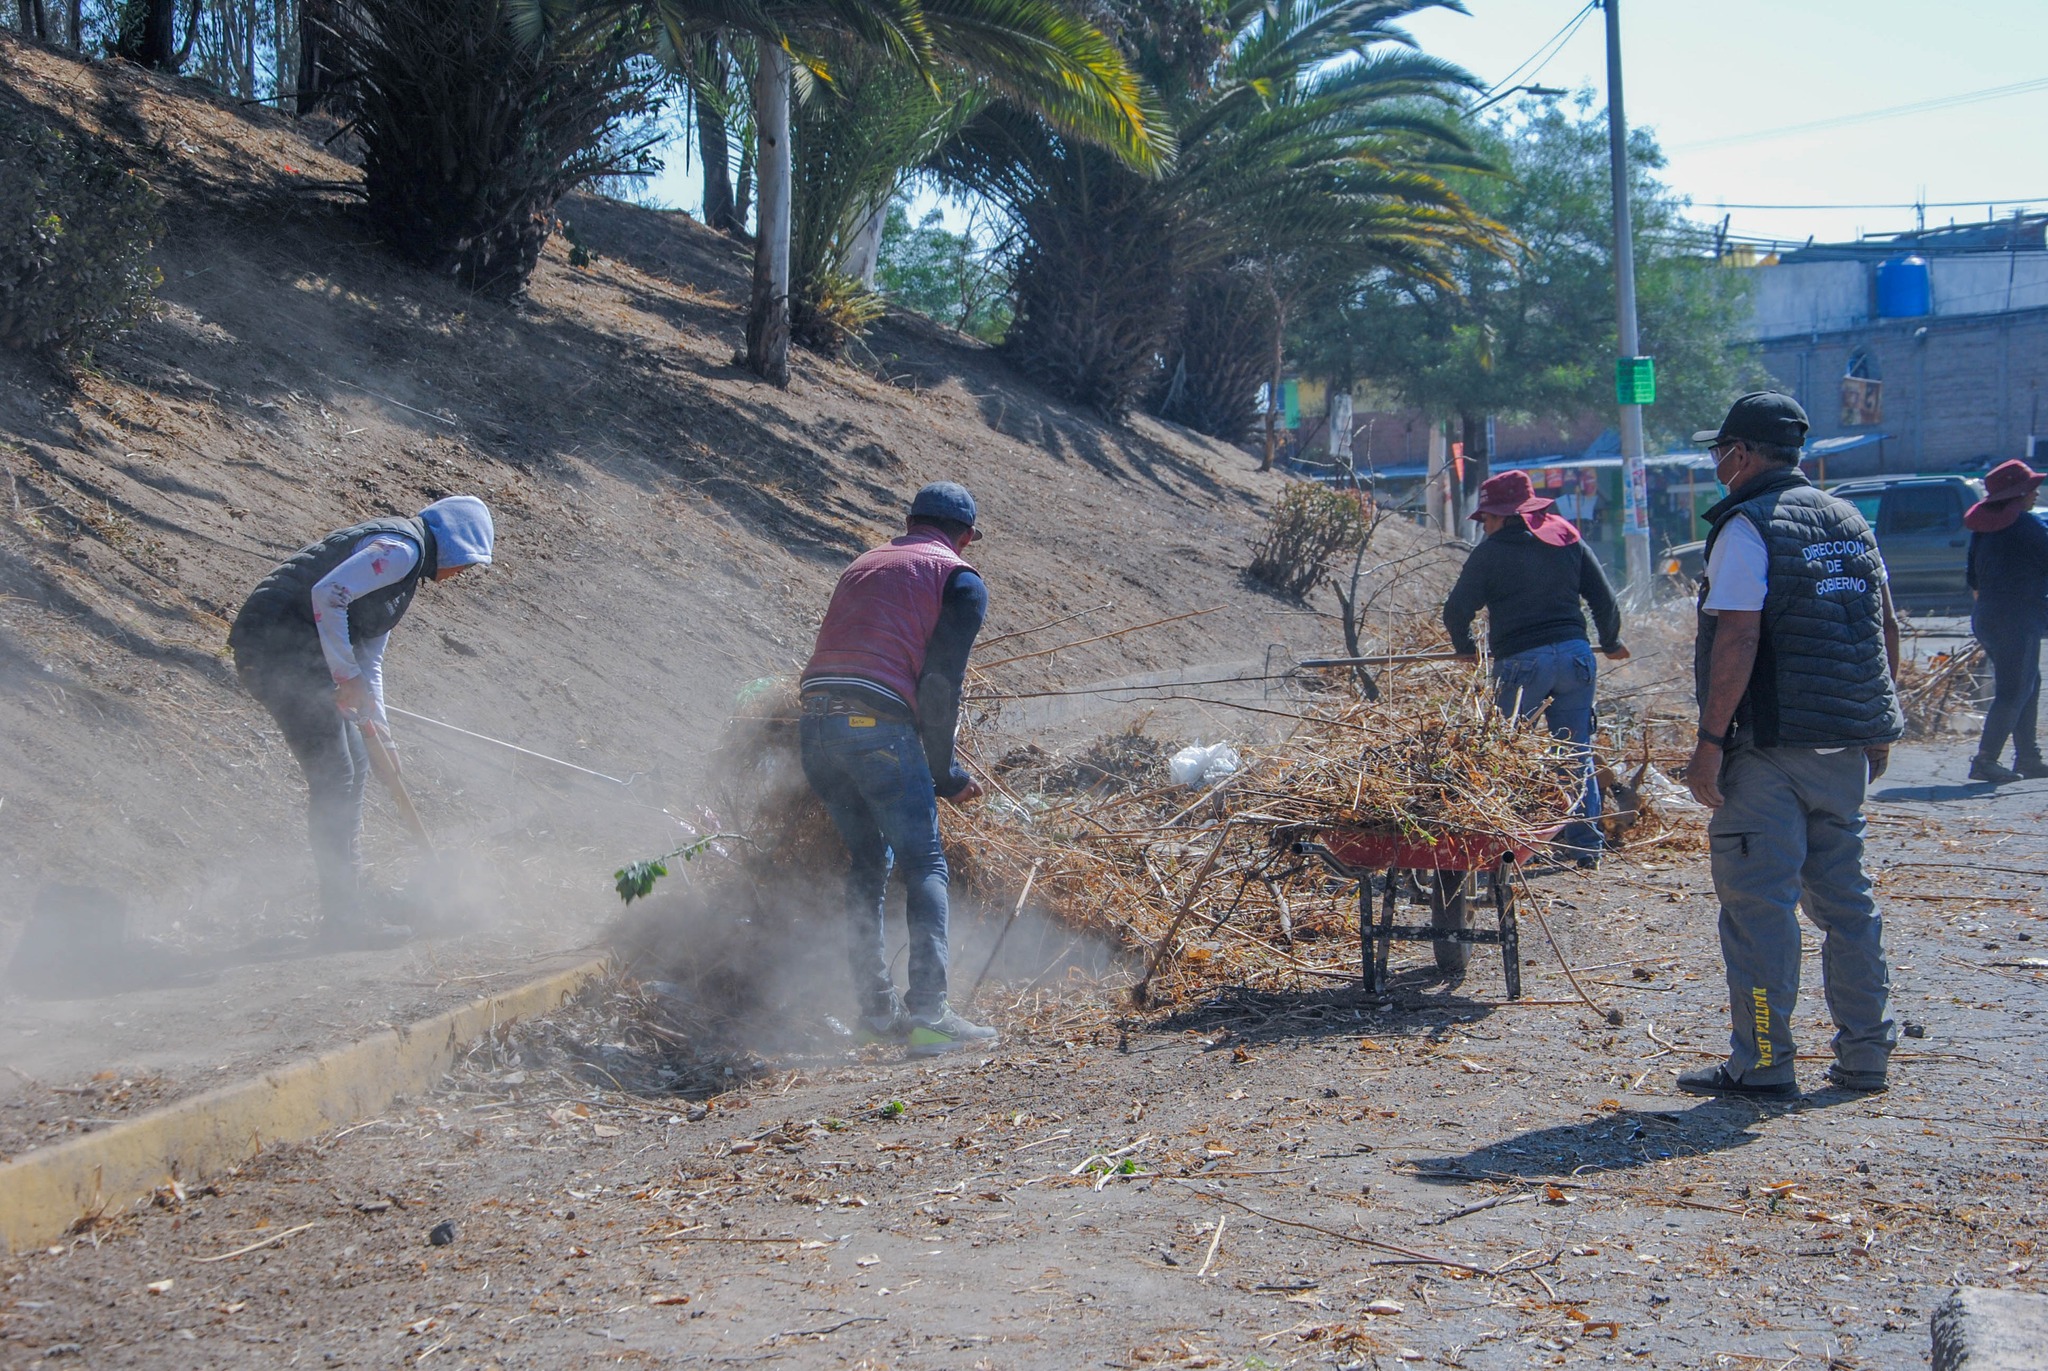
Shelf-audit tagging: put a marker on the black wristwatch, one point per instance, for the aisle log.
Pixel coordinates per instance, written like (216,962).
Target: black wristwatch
(1720,742)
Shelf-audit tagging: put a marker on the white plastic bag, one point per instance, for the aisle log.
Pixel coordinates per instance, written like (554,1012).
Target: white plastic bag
(1198,765)
(1666,793)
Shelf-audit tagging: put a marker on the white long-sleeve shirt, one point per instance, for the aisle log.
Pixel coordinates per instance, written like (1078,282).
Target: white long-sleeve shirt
(378,561)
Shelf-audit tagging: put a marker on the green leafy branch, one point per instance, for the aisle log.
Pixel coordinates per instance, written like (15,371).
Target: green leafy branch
(635,880)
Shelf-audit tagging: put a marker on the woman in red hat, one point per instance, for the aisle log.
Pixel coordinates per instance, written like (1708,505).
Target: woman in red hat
(1530,576)
(2009,576)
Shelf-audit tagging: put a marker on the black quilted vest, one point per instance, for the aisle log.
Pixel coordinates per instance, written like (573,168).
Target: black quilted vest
(1820,678)
(280,609)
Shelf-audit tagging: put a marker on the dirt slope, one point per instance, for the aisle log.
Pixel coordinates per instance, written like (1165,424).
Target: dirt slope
(669,530)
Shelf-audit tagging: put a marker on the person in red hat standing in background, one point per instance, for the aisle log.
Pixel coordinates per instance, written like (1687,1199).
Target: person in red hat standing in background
(2009,578)
(1530,575)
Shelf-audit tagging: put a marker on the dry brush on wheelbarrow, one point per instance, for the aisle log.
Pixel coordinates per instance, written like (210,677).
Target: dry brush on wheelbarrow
(1201,886)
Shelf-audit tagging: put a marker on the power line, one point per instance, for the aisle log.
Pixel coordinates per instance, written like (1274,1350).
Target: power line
(1895,204)
(1551,44)
(1576,25)
(1940,102)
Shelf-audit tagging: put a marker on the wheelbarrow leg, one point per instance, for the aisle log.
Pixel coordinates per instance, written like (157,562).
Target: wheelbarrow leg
(1373,943)
(1510,934)
(1448,909)
(1383,941)
(1365,930)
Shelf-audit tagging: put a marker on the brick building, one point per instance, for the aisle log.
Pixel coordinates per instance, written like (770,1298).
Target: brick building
(1922,351)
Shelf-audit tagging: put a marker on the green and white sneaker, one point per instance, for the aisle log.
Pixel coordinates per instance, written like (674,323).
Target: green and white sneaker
(934,1035)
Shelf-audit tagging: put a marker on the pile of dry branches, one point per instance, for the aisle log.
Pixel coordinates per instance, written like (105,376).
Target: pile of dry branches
(1204,882)
(1136,864)
(1930,691)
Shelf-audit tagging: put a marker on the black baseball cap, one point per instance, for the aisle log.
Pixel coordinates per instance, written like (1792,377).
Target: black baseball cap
(1762,416)
(945,500)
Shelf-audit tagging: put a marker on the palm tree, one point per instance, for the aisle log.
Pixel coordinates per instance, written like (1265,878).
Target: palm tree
(471,135)
(1037,53)
(1311,146)
(709,74)
(853,141)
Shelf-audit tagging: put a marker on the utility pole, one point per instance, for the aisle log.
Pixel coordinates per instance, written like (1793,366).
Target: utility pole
(1635,512)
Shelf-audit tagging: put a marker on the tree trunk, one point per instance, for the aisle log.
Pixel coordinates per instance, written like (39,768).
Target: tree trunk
(1273,382)
(39,22)
(154,43)
(1478,455)
(319,53)
(714,146)
(768,315)
(864,255)
(184,53)
(284,34)
(74,22)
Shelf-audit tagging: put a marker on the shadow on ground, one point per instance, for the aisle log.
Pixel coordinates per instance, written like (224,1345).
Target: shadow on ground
(1423,1004)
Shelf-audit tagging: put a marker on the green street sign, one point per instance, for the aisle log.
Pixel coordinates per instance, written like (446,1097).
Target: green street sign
(1635,381)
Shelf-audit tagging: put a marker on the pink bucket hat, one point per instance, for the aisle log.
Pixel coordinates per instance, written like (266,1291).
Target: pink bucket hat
(1510,493)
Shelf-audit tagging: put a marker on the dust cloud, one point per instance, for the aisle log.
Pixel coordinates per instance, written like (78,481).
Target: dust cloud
(746,945)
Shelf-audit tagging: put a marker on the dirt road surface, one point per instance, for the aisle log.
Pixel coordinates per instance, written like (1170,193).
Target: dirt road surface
(1252,1180)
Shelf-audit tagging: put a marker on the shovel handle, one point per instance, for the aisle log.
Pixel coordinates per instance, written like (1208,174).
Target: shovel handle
(1391,659)
(385,763)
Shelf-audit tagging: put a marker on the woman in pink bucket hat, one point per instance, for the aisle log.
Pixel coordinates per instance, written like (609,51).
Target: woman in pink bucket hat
(1530,576)
(2009,578)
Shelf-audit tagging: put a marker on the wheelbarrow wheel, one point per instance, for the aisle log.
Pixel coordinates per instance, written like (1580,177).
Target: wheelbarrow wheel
(1449,909)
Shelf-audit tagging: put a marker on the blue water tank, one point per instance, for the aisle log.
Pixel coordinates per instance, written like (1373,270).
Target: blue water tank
(1905,289)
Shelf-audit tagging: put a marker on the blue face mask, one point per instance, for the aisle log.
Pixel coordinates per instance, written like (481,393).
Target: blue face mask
(1719,479)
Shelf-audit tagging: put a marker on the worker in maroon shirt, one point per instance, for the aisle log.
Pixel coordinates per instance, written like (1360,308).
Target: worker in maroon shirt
(881,701)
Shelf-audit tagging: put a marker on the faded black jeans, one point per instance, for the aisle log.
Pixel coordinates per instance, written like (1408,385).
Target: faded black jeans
(2011,635)
(295,687)
(872,775)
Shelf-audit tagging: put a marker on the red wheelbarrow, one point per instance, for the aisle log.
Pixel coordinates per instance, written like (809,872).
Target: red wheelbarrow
(1447,866)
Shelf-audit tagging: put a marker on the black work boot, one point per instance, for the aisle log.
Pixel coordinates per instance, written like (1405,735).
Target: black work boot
(1990,769)
(1715,1080)
(2031,768)
(1864,1082)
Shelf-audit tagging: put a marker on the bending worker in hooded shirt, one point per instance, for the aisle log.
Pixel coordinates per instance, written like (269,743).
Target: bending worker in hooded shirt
(881,701)
(1530,575)
(309,645)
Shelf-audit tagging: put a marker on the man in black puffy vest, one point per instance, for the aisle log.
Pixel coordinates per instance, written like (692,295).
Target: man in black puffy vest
(309,645)
(1793,665)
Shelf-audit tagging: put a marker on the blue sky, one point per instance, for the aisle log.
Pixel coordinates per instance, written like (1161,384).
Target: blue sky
(1707,78)
(1699,72)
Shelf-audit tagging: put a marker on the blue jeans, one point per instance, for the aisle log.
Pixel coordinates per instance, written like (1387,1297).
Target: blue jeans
(2011,636)
(877,787)
(1558,679)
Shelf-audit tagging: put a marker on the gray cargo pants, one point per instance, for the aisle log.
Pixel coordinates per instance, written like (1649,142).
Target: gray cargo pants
(1790,833)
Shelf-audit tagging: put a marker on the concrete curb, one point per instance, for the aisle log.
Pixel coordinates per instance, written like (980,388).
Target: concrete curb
(1979,1329)
(45,1191)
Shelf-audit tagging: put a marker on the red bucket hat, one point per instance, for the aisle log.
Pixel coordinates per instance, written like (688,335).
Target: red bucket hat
(1511,494)
(2009,491)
